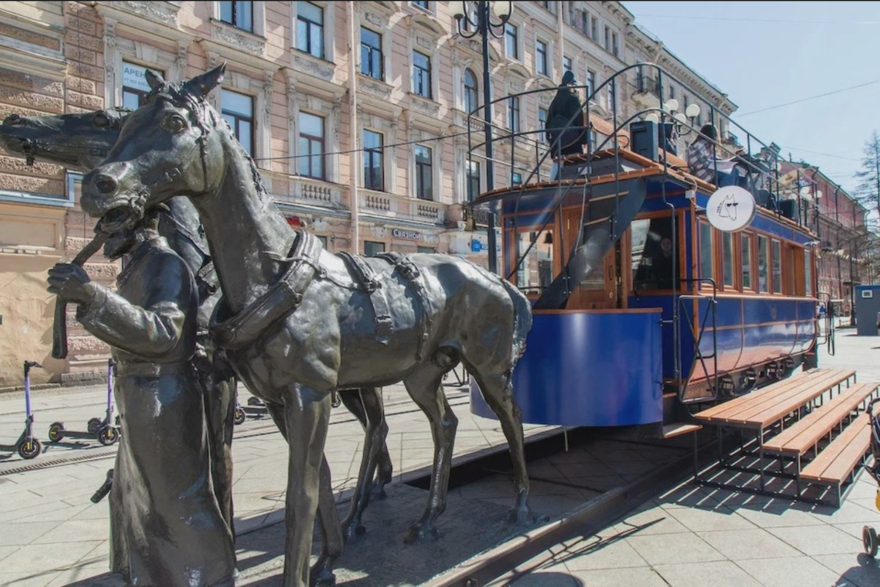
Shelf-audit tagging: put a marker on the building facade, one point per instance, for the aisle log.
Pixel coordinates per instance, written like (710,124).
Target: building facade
(356,114)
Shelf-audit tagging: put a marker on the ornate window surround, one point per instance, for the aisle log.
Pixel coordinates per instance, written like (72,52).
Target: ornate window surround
(378,21)
(427,139)
(227,34)
(329,109)
(388,129)
(329,29)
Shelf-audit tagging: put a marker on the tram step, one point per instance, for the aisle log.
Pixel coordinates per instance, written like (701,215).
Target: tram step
(838,460)
(811,429)
(679,428)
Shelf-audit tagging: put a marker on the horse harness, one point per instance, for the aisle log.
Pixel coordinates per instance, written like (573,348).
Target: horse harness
(285,296)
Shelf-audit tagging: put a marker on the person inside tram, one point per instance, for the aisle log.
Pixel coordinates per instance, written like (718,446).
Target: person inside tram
(703,163)
(565,123)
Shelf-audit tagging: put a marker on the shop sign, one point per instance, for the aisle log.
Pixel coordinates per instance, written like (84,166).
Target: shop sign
(410,235)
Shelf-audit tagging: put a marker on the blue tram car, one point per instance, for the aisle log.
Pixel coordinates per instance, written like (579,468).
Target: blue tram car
(645,311)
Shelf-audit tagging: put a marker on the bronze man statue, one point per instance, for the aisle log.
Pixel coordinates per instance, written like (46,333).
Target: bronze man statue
(567,132)
(166,524)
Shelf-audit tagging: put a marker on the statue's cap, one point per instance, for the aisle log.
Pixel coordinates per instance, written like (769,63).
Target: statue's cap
(568,79)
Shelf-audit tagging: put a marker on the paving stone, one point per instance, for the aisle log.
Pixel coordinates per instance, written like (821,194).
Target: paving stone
(748,544)
(631,577)
(602,554)
(859,569)
(687,548)
(717,574)
(16,534)
(818,540)
(699,519)
(798,571)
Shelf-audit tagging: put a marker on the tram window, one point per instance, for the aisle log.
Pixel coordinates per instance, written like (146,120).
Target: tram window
(808,273)
(746,252)
(707,255)
(536,270)
(652,260)
(763,286)
(777,267)
(727,258)
(789,269)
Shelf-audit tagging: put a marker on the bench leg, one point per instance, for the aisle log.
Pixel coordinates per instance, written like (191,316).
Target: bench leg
(797,478)
(761,456)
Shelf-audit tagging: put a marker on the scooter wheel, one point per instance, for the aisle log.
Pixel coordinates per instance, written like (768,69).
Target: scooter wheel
(29,449)
(94,425)
(255,401)
(108,436)
(240,416)
(56,432)
(869,540)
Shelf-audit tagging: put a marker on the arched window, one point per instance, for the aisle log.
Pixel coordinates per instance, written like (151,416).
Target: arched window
(470,90)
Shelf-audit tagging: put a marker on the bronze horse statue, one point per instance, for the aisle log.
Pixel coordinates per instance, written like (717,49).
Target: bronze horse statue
(300,323)
(79,142)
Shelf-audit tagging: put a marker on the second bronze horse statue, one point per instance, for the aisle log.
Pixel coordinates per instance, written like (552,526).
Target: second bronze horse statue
(298,322)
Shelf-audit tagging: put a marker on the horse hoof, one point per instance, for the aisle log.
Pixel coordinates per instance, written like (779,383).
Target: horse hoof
(351,532)
(378,493)
(523,518)
(323,578)
(420,535)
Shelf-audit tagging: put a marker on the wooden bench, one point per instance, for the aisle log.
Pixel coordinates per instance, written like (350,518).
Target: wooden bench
(836,464)
(776,401)
(762,409)
(810,430)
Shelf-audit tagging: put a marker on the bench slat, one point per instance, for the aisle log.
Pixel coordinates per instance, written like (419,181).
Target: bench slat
(776,408)
(781,396)
(750,397)
(806,433)
(839,458)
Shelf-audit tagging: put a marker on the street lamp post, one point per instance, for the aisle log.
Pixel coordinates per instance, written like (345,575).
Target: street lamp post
(483,24)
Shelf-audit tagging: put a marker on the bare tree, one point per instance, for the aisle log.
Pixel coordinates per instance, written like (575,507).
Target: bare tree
(868,190)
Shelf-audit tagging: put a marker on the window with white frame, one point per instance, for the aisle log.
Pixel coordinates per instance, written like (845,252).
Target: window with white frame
(607,38)
(421,74)
(238,110)
(373,248)
(134,85)
(239,14)
(511,40)
(374,160)
(424,172)
(594,29)
(423,4)
(513,113)
(541,64)
(615,45)
(371,54)
(591,82)
(566,63)
(311,146)
(310,28)
(471,91)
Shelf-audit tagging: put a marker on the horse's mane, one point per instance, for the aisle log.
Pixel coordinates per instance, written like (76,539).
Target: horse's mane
(206,119)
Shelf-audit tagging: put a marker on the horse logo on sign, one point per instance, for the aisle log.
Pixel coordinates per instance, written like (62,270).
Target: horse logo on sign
(731,209)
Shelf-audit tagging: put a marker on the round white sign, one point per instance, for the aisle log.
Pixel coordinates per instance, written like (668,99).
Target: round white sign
(731,208)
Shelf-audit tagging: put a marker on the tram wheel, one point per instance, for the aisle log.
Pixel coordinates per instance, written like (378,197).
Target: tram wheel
(30,448)
(56,432)
(108,435)
(239,417)
(869,540)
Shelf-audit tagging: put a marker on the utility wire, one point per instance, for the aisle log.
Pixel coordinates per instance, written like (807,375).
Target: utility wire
(819,153)
(768,20)
(876,81)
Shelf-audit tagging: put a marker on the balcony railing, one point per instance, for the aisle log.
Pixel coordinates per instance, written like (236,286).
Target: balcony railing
(401,207)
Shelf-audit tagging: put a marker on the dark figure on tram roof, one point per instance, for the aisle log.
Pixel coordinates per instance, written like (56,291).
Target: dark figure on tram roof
(166,524)
(566,122)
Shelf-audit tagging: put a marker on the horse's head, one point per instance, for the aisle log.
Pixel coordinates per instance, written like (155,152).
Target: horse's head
(77,141)
(168,147)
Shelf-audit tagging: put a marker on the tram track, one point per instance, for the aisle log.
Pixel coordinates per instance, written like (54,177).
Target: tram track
(96,454)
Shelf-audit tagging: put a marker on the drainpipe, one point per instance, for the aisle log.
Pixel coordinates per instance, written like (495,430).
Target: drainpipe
(560,34)
(354,202)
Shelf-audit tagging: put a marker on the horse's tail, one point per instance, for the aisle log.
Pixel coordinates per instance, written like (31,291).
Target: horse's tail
(522,321)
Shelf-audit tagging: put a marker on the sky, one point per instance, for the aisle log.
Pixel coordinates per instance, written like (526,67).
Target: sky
(763,54)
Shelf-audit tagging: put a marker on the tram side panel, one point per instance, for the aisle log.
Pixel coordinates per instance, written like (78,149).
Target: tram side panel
(588,368)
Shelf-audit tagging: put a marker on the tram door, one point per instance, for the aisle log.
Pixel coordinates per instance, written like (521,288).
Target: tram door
(600,288)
